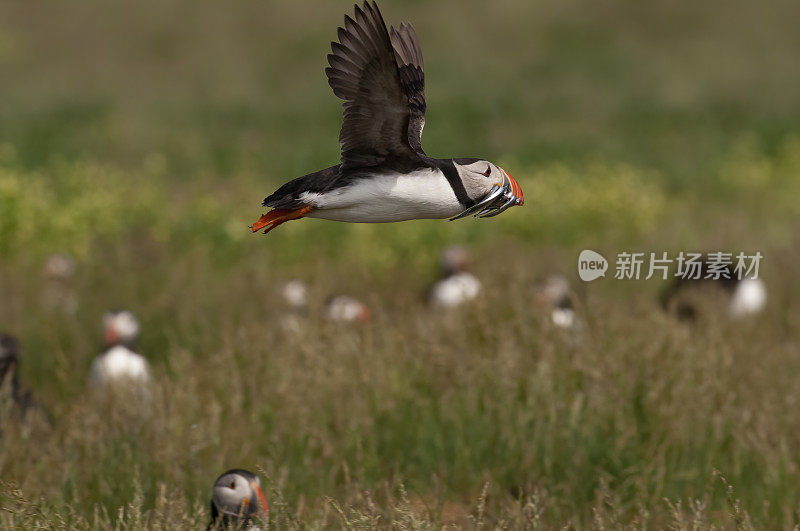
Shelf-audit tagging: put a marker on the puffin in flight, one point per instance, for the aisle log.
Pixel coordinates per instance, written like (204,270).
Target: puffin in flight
(384,175)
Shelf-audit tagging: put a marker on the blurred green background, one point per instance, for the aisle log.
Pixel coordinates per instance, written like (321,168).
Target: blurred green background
(140,138)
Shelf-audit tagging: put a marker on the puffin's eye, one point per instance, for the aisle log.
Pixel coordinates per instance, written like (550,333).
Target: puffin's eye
(488,171)
(232,485)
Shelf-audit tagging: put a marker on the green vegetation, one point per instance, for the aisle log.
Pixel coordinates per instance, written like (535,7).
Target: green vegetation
(141,139)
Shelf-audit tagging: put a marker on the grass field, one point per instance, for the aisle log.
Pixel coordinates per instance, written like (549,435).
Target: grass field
(140,139)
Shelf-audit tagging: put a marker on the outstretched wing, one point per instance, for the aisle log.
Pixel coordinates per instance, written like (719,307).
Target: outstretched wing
(408,56)
(382,84)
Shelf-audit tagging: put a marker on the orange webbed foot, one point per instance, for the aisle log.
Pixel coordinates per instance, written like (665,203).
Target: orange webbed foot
(275,217)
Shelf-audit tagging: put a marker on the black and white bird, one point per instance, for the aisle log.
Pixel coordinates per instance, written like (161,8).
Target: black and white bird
(743,297)
(22,399)
(457,285)
(555,296)
(120,362)
(295,294)
(347,309)
(384,175)
(236,500)
(9,359)
(58,287)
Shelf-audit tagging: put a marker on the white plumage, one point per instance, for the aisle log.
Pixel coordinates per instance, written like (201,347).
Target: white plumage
(563,317)
(295,294)
(390,197)
(455,290)
(347,309)
(119,364)
(749,297)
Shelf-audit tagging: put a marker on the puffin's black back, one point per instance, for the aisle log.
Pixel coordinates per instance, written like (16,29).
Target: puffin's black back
(214,516)
(9,353)
(9,361)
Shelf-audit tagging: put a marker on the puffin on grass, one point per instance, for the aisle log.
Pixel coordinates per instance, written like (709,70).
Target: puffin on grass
(743,297)
(21,398)
(120,362)
(456,285)
(236,499)
(346,309)
(384,175)
(554,294)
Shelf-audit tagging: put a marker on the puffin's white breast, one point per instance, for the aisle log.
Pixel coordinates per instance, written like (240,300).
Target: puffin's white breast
(749,298)
(455,290)
(119,363)
(563,317)
(423,194)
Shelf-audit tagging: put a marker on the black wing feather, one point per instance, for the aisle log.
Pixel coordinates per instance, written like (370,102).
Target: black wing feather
(408,56)
(380,77)
(381,80)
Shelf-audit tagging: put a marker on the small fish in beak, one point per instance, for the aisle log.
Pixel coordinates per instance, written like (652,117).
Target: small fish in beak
(499,199)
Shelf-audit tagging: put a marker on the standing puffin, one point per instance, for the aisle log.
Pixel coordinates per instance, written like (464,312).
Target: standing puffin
(236,498)
(346,309)
(744,297)
(384,174)
(120,362)
(9,376)
(295,295)
(555,295)
(457,285)
(58,286)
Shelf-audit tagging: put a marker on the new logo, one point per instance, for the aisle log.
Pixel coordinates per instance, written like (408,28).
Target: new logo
(591,265)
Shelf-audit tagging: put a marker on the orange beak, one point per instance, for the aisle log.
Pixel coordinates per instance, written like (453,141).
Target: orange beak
(517,189)
(261,498)
(111,335)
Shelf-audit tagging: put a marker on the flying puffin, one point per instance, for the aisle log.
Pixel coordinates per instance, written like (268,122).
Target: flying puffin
(236,498)
(384,175)
(457,285)
(120,361)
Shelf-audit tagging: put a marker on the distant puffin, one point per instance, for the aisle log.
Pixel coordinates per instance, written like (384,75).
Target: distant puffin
(347,309)
(384,174)
(9,376)
(457,285)
(555,295)
(295,295)
(745,297)
(120,361)
(58,290)
(236,498)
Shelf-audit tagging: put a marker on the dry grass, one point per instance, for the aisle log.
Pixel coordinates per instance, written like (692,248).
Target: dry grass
(141,141)
(600,428)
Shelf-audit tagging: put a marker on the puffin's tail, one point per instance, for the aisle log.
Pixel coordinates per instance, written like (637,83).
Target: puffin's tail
(275,217)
